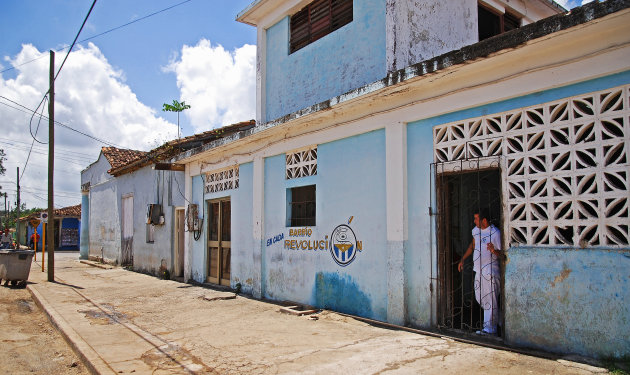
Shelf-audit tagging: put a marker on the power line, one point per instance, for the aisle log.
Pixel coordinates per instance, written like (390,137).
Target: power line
(75,40)
(103,33)
(61,149)
(54,79)
(56,122)
(64,152)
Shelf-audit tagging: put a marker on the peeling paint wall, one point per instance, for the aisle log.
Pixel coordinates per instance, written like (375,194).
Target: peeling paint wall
(569,300)
(149,186)
(349,57)
(104,222)
(243,246)
(420,254)
(198,248)
(350,182)
(566,301)
(422,29)
(103,226)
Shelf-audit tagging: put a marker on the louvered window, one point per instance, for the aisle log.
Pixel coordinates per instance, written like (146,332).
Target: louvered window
(319,18)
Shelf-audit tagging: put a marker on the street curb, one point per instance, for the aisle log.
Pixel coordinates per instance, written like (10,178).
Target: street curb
(90,358)
(97,265)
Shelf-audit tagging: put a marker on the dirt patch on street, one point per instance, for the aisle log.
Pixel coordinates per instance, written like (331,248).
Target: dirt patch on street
(30,344)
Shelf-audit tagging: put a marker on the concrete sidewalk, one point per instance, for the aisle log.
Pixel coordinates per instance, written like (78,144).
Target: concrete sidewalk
(122,322)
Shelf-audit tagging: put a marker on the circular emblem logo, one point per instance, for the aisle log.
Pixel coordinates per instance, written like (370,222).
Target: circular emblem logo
(343,245)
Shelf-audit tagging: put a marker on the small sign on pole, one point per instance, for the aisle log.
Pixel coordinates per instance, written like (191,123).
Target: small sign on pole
(44,217)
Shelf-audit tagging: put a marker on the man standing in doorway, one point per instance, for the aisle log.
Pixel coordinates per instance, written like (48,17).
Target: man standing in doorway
(485,247)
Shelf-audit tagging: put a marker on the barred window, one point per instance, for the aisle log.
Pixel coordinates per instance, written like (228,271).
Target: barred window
(301,210)
(318,19)
(226,179)
(301,163)
(567,167)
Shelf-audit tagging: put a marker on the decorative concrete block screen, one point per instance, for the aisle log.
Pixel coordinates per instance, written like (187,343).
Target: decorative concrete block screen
(565,165)
(222,180)
(301,163)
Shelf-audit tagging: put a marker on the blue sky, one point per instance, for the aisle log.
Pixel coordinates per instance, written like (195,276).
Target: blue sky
(113,86)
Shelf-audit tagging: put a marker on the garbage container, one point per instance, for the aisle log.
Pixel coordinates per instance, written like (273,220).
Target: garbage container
(15,265)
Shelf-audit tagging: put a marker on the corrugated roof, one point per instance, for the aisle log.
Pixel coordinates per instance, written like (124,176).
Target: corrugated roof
(176,146)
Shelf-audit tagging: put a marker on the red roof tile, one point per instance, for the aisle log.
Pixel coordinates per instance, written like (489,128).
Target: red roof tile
(174,147)
(117,157)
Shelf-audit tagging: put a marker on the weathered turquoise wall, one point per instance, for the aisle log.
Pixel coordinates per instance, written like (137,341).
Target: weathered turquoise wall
(569,301)
(584,310)
(198,248)
(242,243)
(350,189)
(347,58)
(420,253)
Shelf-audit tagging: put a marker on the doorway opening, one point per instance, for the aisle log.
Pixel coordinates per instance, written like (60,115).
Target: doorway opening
(219,241)
(126,256)
(460,195)
(180,222)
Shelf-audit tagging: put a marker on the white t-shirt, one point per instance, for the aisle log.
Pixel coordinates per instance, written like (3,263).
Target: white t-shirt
(484,262)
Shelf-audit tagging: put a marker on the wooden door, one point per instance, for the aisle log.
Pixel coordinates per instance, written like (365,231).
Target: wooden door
(127,231)
(219,241)
(179,244)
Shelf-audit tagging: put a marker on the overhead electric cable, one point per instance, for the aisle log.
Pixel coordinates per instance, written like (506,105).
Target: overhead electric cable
(75,39)
(55,78)
(60,124)
(103,33)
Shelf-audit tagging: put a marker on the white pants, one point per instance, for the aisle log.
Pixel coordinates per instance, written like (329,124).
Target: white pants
(487,288)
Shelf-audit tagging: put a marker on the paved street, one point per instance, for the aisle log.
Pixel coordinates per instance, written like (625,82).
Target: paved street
(125,322)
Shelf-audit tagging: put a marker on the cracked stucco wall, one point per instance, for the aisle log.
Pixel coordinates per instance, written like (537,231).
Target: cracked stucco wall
(569,301)
(422,29)
(349,57)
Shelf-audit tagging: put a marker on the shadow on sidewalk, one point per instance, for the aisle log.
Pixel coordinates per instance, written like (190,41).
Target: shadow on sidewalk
(70,285)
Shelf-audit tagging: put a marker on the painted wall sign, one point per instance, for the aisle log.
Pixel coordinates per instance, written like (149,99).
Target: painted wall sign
(344,245)
(274,239)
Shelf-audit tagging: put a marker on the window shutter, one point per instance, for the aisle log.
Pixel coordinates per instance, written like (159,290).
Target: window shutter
(300,35)
(320,18)
(341,13)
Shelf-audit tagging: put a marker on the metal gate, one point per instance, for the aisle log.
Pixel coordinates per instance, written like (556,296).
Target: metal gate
(465,188)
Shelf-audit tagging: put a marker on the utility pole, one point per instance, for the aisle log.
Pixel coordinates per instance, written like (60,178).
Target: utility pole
(51,166)
(17,218)
(6,213)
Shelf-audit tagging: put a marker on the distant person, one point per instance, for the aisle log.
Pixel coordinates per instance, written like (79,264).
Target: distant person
(34,240)
(6,241)
(486,244)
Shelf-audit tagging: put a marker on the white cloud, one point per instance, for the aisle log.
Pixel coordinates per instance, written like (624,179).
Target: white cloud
(219,85)
(91,96)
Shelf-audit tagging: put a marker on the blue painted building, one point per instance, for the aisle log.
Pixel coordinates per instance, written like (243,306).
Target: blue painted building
(67,228)
(378,139)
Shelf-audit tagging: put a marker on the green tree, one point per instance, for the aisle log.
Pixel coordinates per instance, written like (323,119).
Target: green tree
(176,107)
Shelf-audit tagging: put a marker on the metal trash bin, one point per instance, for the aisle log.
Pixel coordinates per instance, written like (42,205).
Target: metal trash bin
(15,265)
